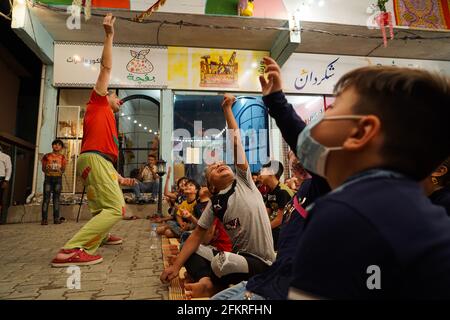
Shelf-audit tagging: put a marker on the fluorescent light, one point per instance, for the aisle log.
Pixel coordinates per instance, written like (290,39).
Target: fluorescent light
(135,121)
(129,118)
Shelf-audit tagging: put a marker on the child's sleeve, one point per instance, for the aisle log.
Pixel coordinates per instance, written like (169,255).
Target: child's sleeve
(287,120)
(245,176)
(44,163)
(98,99)
(207,218)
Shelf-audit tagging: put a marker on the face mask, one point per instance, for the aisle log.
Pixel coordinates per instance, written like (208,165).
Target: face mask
(313,155)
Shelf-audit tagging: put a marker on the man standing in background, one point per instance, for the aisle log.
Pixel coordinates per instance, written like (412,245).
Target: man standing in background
(5,175)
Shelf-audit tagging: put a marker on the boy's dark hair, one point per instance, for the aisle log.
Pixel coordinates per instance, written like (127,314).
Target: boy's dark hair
(277,165)
(150,155)
(414,109)
(195,183)
(58,141)
(180,180)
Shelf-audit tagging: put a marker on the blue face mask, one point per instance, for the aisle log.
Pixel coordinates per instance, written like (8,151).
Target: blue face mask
(313,155)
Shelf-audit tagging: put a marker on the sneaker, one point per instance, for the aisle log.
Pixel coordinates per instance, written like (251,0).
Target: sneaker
(44,222)
(57,221)
(80,258)
(113,240)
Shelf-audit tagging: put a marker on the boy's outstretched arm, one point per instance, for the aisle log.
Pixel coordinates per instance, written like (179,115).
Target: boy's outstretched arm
(106,65)
(288,121)
(239,154)
(167,193)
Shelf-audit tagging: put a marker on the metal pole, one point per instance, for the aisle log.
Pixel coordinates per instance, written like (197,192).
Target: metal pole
(159,213)
(81,203)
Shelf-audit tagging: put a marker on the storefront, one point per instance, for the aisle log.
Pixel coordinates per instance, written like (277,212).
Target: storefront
(173,100)
(186,127)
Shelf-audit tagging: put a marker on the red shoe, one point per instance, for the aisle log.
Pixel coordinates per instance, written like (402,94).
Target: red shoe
(113,240)
(80,258)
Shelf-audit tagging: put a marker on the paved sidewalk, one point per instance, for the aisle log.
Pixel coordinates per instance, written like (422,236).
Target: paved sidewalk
(129,271)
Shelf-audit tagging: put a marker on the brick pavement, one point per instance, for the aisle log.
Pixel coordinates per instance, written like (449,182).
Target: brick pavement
(128,271)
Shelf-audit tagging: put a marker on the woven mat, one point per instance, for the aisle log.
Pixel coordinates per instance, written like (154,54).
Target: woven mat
(170,248)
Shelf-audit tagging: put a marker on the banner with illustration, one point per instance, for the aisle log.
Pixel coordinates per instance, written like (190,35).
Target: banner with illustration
(318,73)
(214,69)
(78,65)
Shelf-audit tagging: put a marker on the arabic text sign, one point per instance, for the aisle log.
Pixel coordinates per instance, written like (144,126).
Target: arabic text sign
(214,69)
(315,73)
(78,64)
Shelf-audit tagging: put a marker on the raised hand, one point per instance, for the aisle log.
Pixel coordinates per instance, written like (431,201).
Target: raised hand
(108,24)
(228,100)
(273,82)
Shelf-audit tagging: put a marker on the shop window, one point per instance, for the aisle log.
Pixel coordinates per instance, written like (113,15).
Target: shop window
(69,128)
(138,125)
(200,136)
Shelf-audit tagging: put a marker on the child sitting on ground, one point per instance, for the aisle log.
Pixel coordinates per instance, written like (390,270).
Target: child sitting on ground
(174,199)
(174,228)
(203,199)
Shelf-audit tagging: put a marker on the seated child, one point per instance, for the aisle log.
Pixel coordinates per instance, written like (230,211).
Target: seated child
(174,228)
(277,197)
(174,199)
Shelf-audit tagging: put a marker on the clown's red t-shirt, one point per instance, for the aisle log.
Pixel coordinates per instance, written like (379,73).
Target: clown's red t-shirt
(99,128)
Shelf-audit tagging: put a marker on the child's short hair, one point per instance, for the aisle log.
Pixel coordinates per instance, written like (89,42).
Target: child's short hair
(195,183)
(414,108)
(276,165)
(58,141)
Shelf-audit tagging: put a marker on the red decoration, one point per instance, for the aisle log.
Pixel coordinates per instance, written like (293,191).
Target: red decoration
(149,11)
(384,19)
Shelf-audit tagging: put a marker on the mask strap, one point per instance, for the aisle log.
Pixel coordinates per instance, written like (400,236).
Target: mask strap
(349,117)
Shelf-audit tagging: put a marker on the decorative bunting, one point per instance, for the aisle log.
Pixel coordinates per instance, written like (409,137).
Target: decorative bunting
(384,19)
(150,10)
